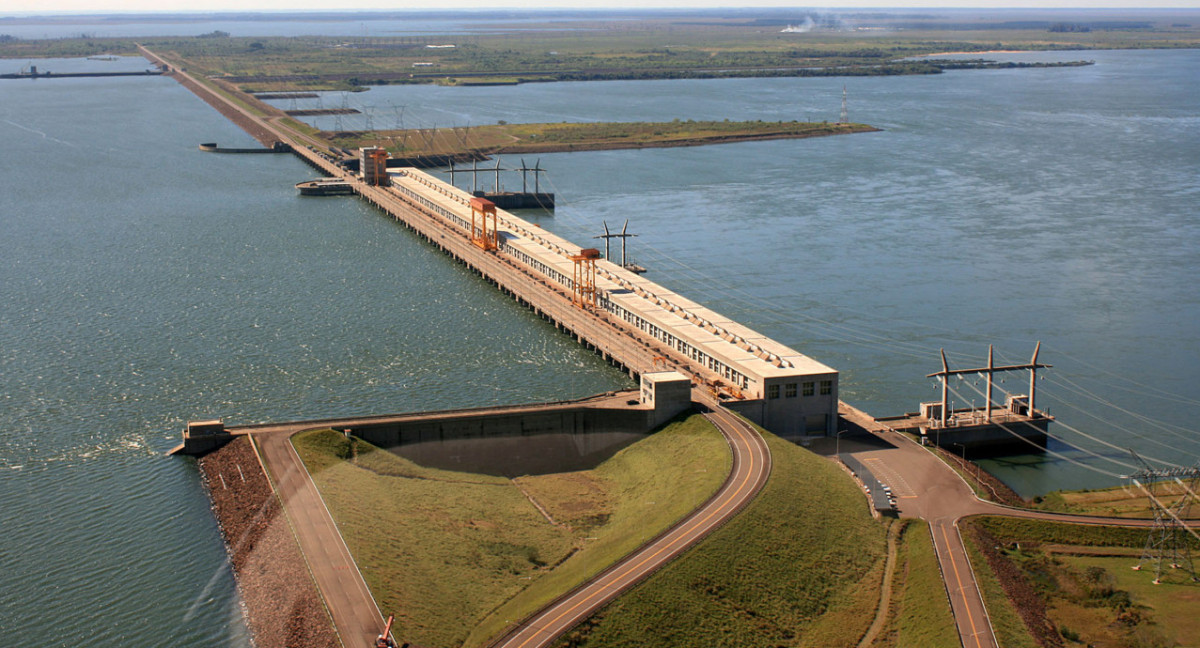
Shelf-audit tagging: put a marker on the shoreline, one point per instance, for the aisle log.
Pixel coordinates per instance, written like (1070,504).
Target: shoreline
(281,605)
(698,141)
(999,51)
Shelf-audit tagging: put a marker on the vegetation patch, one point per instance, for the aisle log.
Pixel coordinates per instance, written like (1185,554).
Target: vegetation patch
(504,139)
(1118,501)
(801,566)
(1165,613)
(1069,596)
(446,551)
(1083,535)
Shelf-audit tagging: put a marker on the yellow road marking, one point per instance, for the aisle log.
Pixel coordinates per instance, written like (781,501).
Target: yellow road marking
(605,588)
(954,563)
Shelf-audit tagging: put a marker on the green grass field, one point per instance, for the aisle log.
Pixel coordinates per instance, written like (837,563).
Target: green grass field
(1090,599)
(801,566)
(456,556)
(1172,606)
(1118,501)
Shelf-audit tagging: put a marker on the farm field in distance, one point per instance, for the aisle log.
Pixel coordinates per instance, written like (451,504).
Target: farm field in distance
(587,46)
(656,45)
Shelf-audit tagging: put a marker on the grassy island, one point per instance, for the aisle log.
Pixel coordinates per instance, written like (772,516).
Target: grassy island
(504,139)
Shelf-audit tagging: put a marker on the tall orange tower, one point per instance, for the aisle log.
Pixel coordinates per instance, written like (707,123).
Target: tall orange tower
(372,163)
(583,292)
(481,210)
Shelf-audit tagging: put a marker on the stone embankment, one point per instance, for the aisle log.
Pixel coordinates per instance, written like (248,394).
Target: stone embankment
(282,606)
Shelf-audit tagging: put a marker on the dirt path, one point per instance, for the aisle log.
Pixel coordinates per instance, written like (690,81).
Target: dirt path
(885,593)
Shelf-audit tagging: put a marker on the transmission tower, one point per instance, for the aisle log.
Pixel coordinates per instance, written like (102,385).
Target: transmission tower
(1168,541)
(337,121)
(844,118)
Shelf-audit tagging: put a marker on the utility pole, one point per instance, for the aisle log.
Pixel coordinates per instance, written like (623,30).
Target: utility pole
(1167,541)
(623,236)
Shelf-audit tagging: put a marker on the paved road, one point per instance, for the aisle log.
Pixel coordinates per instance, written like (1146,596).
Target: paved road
(925,487)
(356,618)
(751,467)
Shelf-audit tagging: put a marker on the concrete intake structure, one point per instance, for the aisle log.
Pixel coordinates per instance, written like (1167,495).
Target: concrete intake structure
(624,317)
(628,320)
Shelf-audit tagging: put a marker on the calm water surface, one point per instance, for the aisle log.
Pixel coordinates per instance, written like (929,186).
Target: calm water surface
(146,283)
(1001,207)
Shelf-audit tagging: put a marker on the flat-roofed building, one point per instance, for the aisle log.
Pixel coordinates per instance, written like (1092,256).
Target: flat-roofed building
(772,384)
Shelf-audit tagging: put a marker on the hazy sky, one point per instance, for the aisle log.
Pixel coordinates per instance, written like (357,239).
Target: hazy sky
(9,7)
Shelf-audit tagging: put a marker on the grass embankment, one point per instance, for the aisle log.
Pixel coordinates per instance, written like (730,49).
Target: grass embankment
(1055,582)
(920,615)
(1118,501)
(456,556)
(503,139)
(801,566)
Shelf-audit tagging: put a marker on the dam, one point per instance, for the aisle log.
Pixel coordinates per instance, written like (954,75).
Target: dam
(625,318)
(622,316)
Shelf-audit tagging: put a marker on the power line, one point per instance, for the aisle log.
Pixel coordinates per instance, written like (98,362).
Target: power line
(1048,451)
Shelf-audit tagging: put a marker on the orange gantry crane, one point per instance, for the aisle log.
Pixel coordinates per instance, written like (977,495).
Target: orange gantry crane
(484,237)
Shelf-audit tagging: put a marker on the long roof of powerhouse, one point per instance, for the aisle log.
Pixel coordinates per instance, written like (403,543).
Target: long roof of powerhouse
(719,336)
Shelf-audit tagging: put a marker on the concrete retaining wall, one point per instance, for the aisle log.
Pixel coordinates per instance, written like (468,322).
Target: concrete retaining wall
(556,439)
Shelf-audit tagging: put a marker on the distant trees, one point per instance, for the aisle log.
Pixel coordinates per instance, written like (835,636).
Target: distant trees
(1063,28)
(216,33)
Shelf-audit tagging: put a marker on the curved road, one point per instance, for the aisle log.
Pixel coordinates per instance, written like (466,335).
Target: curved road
(925,487)
(751,467)
(358,620)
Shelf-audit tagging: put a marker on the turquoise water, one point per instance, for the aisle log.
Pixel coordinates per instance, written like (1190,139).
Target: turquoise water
(145,283)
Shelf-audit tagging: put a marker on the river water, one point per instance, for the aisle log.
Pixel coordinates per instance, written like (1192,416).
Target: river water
(146,283)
